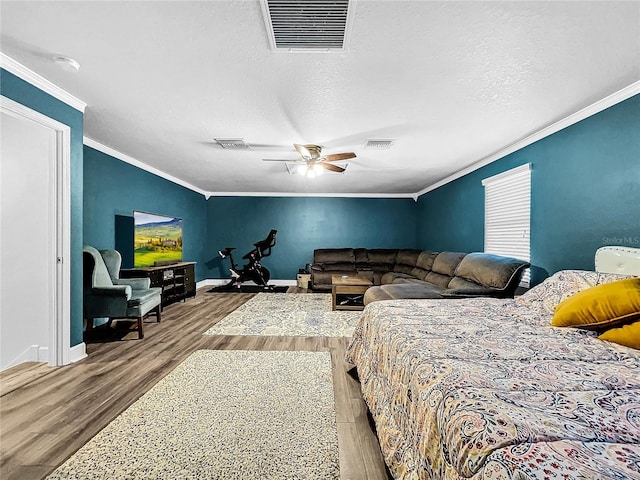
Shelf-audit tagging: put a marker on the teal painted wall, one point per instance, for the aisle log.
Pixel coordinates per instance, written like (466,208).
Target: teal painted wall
(26,94)
(303,225)
(113,187)
(585,193)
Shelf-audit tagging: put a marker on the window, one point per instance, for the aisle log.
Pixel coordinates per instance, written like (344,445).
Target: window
(507,212)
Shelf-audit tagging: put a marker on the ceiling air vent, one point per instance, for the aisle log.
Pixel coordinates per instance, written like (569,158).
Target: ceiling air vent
(378,144)
(308,25)
(232,143)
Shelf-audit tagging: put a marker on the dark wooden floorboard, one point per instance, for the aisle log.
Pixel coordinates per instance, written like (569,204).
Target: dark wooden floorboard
(48,413)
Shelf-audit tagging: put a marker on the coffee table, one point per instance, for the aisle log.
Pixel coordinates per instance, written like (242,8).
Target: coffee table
(347,292)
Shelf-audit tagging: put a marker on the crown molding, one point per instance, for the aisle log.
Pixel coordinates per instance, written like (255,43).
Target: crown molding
(143,166)
(89,142)
(576,117)
(510,174)
(19,70)
(311,195)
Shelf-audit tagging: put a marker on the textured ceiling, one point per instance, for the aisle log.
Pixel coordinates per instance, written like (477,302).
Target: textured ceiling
(451,82)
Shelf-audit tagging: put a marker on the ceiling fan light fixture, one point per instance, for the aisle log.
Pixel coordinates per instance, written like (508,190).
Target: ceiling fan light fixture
(309,171)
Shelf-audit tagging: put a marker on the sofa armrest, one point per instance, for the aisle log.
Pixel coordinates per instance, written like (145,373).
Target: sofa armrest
(115,291)
(318,267)
(134,283)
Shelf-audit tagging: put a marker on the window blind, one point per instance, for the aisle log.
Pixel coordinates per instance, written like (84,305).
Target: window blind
(508,214)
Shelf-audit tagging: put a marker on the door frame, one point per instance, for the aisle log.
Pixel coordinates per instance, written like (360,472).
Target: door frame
(59,270)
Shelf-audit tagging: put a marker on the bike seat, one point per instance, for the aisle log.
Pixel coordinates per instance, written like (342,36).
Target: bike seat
(226,252)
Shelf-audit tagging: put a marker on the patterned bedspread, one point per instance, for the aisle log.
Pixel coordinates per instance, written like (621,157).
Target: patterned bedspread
(486,389)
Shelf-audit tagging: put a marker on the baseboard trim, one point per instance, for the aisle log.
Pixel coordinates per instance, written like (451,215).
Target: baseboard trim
(33,353)
(75,353)
(223,281)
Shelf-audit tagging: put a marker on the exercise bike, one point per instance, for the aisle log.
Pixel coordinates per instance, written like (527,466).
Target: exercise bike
(253,271)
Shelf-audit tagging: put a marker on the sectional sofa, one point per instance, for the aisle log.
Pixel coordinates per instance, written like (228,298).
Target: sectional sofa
(410,273)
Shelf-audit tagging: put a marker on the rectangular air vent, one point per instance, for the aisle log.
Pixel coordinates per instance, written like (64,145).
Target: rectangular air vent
(232,143)
(378,144)
(308,25)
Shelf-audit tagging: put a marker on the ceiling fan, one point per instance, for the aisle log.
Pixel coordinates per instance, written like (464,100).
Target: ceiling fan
(313,162)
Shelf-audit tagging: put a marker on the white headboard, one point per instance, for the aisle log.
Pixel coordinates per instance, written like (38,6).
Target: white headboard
(623,260)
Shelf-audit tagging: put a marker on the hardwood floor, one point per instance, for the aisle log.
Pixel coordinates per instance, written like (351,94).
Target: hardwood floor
(47,413)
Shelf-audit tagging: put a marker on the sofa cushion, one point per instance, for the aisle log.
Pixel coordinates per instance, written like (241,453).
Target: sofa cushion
(426,259)
(474,290)
(437,279)
(391,277)
(368,274)
(382,256)
(377,276)
(381,267)
(401,268)
(419,272)
(338,267)
(417,281)
(408,257)
(323,279)
(447,262)
(333,255)
(361,257)
(488,270)
(460,283)
(406,261)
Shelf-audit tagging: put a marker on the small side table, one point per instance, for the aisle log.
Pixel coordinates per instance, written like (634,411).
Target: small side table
(347,292)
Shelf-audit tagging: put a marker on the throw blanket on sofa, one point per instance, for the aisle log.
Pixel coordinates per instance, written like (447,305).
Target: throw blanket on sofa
(486,389)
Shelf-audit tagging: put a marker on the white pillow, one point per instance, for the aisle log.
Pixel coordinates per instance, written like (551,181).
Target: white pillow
(545,296)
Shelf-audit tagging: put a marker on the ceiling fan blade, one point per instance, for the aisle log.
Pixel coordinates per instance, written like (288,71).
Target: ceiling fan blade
(336,157)
(302,150)
(333,168)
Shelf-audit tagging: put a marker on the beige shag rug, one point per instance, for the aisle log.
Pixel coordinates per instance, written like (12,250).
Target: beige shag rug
(289,315)
(223,415)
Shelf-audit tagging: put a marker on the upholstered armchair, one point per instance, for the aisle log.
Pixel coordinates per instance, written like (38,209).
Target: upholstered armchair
(108,296)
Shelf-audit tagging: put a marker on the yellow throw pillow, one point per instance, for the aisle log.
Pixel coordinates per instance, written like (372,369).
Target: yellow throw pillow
(601,306)
(628,335)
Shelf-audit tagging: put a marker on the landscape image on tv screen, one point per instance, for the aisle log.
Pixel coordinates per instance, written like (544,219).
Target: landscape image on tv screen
(156,239)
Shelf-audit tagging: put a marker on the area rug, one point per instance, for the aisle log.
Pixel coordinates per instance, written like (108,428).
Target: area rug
(288,314)
(223,414)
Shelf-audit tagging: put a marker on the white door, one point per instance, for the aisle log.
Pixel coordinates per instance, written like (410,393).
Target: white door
(28,240)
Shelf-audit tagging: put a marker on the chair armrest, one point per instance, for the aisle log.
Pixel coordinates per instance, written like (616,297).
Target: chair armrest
(115,291)
(134,283)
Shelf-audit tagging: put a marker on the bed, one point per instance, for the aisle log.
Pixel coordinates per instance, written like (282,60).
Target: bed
(488,389)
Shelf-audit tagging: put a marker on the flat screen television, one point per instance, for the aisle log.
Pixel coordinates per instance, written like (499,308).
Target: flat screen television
(156,238)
